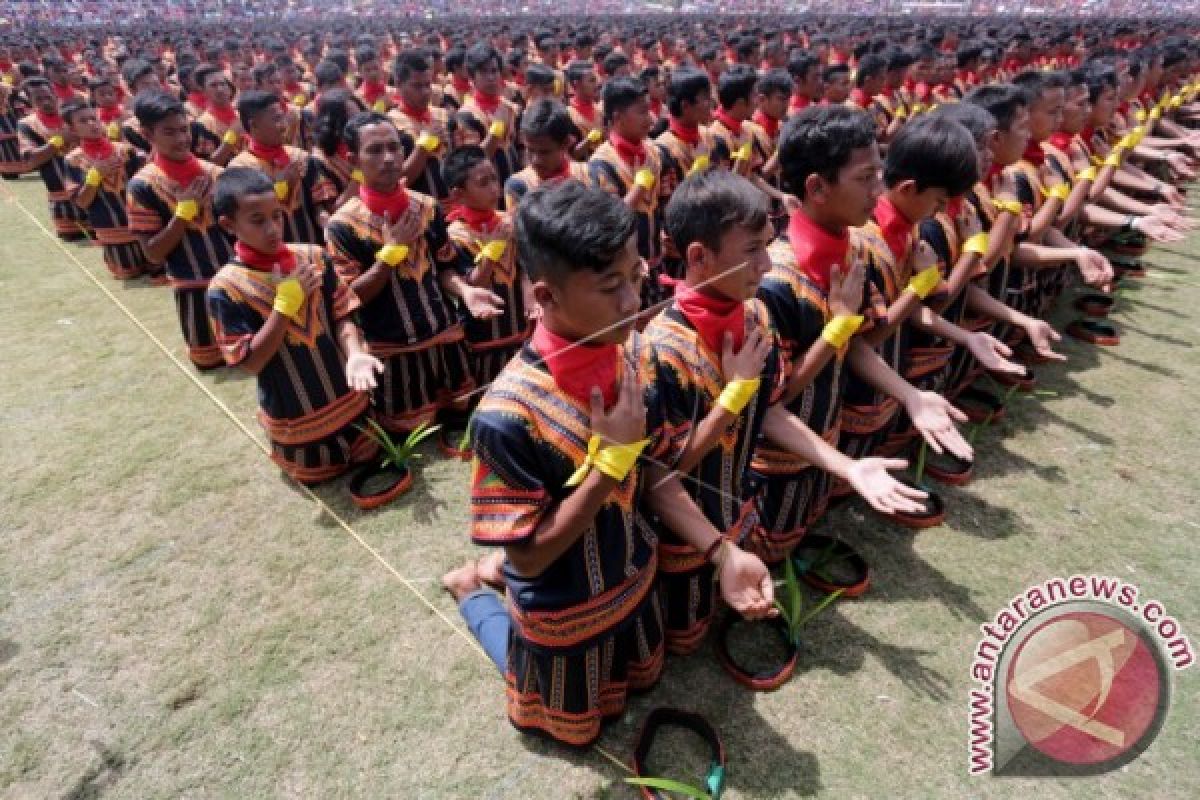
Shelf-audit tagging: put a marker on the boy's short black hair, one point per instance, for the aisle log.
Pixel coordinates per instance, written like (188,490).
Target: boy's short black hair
(619,94)
(799,63)
(776,81)
(407,63)
(821,140)
(352,134)
(706,206)
(253,102)
(134,70)
(465,120)
(457,166)
(570,228)
(1001,100)
(869,66)
(154,106)
(832,70)
(327,73)
(736,83)
(614,61)
(548,117)
(263,72)
(456,57)
(686,85)
(977,120)
(234,184)
(480,55)
(936,153)
(1036,82)
(201,73)
(578,70)
(71,108)
(539,75)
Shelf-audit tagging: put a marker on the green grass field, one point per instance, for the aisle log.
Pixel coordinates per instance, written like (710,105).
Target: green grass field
(176,620)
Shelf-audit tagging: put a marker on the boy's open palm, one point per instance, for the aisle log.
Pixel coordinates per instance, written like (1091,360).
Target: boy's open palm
(746,584)
(625,422)
(748,362)
(846,289)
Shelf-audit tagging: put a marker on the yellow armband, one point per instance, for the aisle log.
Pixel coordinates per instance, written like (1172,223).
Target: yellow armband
(900,113)
(1140,115)
(57,142)
(281,190)
(925,282)
(839,329)
(492,251)
(1087,174)
(615,461)
(744,152)
(114,131)
(1156,114)
(595,136)
(1114,158)
(498,129)
(358,177)
(1011,206)
(644,178)
(428,142)
(977,244)
(737,394)
(392,254)
(300,100)
(7,80)
(699,165)
(1176,102)
(380,106)
(231,138)
(1060,192)
(187,210)
(289,296)
(94,178)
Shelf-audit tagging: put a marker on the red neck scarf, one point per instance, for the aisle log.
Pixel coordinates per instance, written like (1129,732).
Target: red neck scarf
(577,368)
(799,102)
(461,85)
(816,249)
(1061,140)
(656,107)
(109,114)
(888,92)
(181,172)
(734,125)
(895,227)
(6,66)
(481,220)
(1123,108)
(954,207)
(418,114)
(1034,153)
(768,123)
(563,172)
(275,155)
(711,315)
(223,114)
(372,91)
(198,99)
(1086,136)
(688,134)
(859,97)
(342,151)
(53,122)
(632,153)
(96,149)
(993,173)
(488,103)
(63,91)
(283,259)
(586,110)
(392,204)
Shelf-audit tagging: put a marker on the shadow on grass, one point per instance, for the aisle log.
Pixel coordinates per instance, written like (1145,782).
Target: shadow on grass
(1139,303)
(101,777)
(8,650)
(1158,337)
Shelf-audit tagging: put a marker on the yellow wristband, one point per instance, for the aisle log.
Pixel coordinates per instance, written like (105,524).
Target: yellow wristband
(498,129)
(8,80)
(1114,158)
(492,251)
(1011,206)
(1140,115)
(1060,192)
(743,153)
(644,178)
(114,131)
(392,254)
(289,296)
(188,210)
(595,135)
(93,178)
(299,100)
(281,190)
(428,142)
(699,165)
(737,394)
(900,113)
(977,244)
(380,106)
(1156,114)
(925,282)
(358,177)
(839,329)
(1088,174)
(230,138)
(615,461)
(57,142)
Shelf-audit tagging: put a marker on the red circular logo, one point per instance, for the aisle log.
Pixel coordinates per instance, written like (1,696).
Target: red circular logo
(1084,688)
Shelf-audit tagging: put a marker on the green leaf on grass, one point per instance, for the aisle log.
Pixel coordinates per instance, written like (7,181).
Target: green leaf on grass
(668,785)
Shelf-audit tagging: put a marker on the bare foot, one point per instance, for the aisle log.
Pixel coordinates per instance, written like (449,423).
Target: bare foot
(462,581)
(490,569)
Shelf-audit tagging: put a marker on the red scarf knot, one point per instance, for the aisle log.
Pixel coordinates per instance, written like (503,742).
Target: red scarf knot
(632,153)
(896,228)
(734,125)
(688,134)
(283,259)
(578,368)
(274,154)
(768,123)
(816,249)
(391,204)
(181,172)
